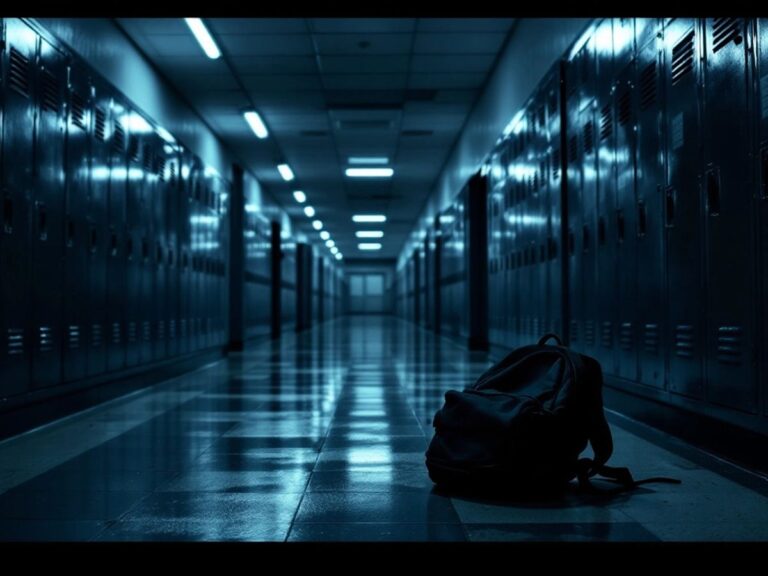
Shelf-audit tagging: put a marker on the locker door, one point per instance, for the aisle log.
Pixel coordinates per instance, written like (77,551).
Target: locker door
(554,208)
(683,208)
(625,223)
(538,225)
(761,122)
(651,285)
(135,245)
(495,193)
(147,267)
(196,240)
(185,249)
(98,233)
(172,180)
(76,230)
(160,250)
(117,260)
(728,220)
(18,131)
(48,217)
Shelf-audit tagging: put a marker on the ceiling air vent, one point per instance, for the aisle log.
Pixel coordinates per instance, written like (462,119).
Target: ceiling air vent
(682,58)
(78,110)
(625,108)
(606,122)
(118,138)
(100,128)
(589,138)
(49,100)
(724,30)
(648,86)
(18,74)
(417,132)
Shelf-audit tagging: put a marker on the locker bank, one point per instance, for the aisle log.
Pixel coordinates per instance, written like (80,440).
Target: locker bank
(243,259)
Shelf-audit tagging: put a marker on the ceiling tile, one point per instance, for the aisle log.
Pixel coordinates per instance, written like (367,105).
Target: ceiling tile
(373,64)
(364,82)
(458,43)
(363,44)
(431,63)
(364,25)
(247,26)
(267,44)
(464,24)
(257,83)
(446,80)
(274,64)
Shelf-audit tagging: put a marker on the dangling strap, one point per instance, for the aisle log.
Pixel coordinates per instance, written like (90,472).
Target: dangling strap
(588,468)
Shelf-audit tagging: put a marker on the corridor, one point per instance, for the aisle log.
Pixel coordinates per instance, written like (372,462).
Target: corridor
(321,436)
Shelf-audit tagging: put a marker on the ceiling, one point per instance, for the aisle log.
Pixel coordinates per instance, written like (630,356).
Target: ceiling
(330,88)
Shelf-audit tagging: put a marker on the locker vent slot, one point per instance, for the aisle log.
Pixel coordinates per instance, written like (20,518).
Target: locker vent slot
(589,137)
(544,170)
(172,173)
(552,104)
(626,336)
(116,337)
(73,336)
(606,334)
(133,148)
(651,338)
(147,160)
(97,336)
(589,332)
(18,73)
(682,58)
(556,163)
(45,338)
(160,167)
(161,330)
(684,342)
(49,98)
(724,30)
(118,138)
(146,331)
(730,341)
(78,110)
(648,86)
(625,108)
(606,122)
(131,332)
(100,128)
(573,149)
(15,341)
(172,329)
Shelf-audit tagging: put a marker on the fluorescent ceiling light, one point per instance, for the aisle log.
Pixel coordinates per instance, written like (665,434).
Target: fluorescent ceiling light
(324,235)
(369,172)
(330,243)
(203,37)
(256,124)
(334,250)
(368,160)
(317,225)
(309,211)
(299,196)
(369,246)
(369,218)
(339,256)
(369,234)
(285,172)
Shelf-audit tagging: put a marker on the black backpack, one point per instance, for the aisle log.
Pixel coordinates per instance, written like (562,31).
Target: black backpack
(524,424)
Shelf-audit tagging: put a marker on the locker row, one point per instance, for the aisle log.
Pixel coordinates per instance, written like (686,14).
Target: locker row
(626,210)
(114,244)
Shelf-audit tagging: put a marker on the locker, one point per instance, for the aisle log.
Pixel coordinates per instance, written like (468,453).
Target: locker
(650,168)
(196,241)
(98,231)
(171,198)
(760,110)
(184,199)
(118,242)
(47,228)
(18,59)
(160,248)
(683,208)
(288,273)
(77,229)
(624,218)
(495,193)
(553,206)
(416,286)
(136,246)
(727,192)
(147,264)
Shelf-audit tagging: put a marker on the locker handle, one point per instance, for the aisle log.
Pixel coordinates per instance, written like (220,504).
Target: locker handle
(764,172)
(113,244)
(669,206)
(8,215)
(42,222)
(601,230)
(93,239)
(642,215)
(70,232)
(620,225)
(713,191)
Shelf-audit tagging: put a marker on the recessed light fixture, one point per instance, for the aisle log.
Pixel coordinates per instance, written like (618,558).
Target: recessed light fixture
(369,172)
(299,196)
(369,218)
(309,211)
(334,250)
(368,160)
(330,243)
(317,224)
(324,235)
(369,234)
(203,37)
(369,246)
(285,172)
(339,256)
(256,124)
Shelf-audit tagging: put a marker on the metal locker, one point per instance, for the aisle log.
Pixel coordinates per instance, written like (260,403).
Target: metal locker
(98,231)
(184,201)
(624,236)
(321,290)
(288,273)
(147,267)
(760,110)
(171,198)
(160,247)
(553,207)
(439,260)
(416,286)
(540,221)
(117,241)
(135,242)
(729,207)
(45,258)
(650,162)
(509,228)
(495,186)
(196,241)
(18,58)
(682,208)
(76,229)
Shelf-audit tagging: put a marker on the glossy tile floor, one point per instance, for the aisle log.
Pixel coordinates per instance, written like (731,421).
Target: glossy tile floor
(322,437)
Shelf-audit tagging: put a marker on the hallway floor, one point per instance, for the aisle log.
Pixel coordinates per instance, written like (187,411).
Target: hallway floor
(322,437)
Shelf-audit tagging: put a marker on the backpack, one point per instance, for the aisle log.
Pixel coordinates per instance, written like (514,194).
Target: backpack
(524,424)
